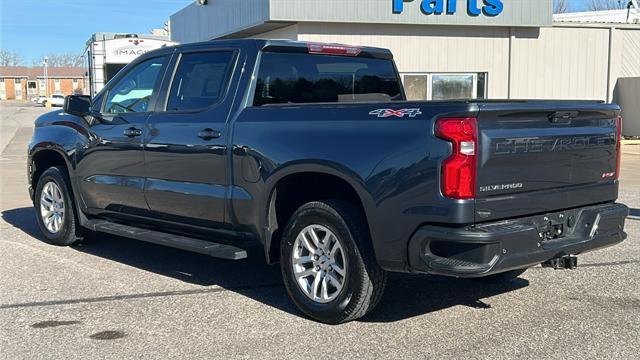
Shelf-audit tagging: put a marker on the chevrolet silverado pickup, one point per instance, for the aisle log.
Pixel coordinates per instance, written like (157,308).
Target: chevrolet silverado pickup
(312,152)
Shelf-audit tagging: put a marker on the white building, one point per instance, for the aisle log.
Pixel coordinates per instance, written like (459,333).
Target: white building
(494,49)
(629,16)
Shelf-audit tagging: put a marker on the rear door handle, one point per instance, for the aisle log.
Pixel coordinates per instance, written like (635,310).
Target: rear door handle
(208,134)
(132,132)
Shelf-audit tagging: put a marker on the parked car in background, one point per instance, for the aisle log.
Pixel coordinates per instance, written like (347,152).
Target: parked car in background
(55,99)
(39,99)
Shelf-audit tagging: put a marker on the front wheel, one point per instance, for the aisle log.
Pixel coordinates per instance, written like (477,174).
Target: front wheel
(55,209)
(327,262)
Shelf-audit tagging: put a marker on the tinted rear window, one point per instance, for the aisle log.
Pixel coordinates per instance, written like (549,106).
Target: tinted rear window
(200,80)
(301,78)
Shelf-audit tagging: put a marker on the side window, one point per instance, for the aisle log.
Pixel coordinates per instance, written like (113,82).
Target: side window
(200,80)
(134,91)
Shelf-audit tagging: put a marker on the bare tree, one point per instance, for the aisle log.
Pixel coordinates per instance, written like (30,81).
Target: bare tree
(60,60)
(10,58)
(560,6)
(597,5)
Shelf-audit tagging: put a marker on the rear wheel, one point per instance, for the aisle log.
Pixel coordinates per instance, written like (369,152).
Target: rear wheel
(55,209)
(328,264)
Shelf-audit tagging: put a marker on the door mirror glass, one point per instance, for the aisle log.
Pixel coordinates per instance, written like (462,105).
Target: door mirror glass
(79,105)
(134,91)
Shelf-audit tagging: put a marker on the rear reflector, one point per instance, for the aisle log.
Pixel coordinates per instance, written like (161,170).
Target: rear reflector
(618,146)
(459,171)
(329,49)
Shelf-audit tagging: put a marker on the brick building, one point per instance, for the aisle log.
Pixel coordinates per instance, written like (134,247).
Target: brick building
(22,83)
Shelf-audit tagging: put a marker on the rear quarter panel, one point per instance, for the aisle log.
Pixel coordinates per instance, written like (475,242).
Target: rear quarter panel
(391,162)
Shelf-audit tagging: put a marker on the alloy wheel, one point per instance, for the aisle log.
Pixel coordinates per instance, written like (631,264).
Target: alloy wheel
(319,263)
(52,207)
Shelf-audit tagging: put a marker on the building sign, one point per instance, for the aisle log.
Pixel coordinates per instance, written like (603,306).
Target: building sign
(489,8)
(221,19)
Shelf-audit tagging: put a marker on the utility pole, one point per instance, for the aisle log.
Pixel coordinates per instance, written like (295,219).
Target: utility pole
(45,63)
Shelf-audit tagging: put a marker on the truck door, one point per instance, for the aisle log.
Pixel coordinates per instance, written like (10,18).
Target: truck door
(111,169)
(186,141)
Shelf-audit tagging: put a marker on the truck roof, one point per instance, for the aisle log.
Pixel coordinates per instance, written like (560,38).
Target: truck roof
(281,45)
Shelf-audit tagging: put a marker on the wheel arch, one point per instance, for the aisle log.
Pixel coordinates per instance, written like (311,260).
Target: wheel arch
(285,195)
(42,158)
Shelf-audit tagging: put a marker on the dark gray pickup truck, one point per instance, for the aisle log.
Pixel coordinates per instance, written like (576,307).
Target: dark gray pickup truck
(311,151)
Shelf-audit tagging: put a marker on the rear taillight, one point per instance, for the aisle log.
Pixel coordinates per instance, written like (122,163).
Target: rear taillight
(618,145)
(459,171)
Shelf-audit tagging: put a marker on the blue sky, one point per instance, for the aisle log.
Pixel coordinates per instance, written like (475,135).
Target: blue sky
(37,27)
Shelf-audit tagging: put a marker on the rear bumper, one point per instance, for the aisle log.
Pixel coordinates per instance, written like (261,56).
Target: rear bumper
(515,244)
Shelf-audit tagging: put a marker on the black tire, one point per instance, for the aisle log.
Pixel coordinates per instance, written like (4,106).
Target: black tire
(44,103)
(364,281)
(70,231)
(504,277)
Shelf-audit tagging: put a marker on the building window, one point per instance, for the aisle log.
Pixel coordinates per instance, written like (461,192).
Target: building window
(445,86)
(57,85)
(416,86)
(32,87)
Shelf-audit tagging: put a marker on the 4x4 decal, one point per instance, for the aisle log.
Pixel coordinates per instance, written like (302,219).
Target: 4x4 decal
(385,113)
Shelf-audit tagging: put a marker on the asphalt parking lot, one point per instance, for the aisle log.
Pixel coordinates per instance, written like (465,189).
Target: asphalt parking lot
(111,297)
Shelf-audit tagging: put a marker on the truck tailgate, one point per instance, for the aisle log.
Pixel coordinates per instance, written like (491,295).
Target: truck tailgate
(541,156)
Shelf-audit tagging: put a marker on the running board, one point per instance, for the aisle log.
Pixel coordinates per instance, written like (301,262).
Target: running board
(216,250)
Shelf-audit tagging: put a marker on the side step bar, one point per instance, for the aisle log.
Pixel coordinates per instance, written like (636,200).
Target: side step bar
(221,251)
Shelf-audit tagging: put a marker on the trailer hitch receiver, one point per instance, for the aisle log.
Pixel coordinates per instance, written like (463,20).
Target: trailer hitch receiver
(562,263)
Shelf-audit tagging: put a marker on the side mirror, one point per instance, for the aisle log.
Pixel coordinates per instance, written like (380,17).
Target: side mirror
(79,105)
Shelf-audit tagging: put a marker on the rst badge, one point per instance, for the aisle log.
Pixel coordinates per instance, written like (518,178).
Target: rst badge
(385,113)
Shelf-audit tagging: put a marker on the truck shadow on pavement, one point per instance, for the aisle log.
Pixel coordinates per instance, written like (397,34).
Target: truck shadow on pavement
(406,296)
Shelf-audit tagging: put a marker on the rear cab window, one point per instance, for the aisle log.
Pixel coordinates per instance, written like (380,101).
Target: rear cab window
(298,78)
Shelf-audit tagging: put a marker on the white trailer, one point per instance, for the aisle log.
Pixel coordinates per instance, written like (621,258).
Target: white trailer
(108,53)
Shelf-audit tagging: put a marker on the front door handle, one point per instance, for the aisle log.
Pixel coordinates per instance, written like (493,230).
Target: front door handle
(132,132)
(208,134)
